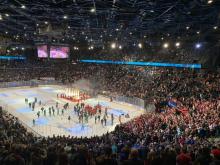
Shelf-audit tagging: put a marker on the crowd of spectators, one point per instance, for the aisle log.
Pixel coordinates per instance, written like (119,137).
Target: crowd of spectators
(149,53)
(183,130)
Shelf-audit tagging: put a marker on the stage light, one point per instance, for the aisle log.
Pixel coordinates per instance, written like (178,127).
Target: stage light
(1,17)
(7,15)
(37,24)
(46,22)
(166,45)
(22,48)
(177,44)
(6,32)
(210,1)
(198,45)
(68,27)
(130,33)
(23,6)
(215,27)
(198,32)
(117,29)
(140,45)
(113,45)
(162,38)
(187,28)
(93,10)
(65,17)
(120,47)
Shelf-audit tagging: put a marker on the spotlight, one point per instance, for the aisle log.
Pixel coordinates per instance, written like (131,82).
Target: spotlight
(7,15)
(140,45)
(210,1)
(22,48)
(113,45)
(187,28)
(65,17)
(6,32)
(23,6)
(198,32)
(46,22)
(165,45)
(198,45)
(177,44)
(93,10)
(215,27)
(120,47)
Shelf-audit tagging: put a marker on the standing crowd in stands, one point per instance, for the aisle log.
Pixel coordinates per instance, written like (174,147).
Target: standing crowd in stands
(183,130)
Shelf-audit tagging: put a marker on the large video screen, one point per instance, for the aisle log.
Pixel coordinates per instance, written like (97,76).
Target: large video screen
(42,51)
(59,52)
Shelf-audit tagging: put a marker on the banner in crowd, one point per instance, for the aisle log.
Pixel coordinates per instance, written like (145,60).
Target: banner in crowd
(172,103)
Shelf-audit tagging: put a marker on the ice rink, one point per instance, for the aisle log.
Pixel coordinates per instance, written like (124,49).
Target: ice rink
(13,99)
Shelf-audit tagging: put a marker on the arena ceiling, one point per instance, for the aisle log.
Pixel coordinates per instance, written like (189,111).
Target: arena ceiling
(97,21)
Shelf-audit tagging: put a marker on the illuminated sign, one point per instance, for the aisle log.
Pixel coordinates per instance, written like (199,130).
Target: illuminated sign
(156,64)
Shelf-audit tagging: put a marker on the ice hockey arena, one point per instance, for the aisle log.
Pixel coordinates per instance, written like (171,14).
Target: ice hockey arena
(109,82)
